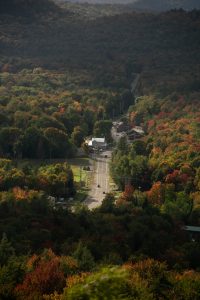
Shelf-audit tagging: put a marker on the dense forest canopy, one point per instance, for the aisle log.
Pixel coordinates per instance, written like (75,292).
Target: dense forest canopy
(66,74)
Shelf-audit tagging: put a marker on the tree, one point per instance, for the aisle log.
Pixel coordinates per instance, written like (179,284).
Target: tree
(9,139)
(155,275)
(77,136)
(59,144)
(45,278)
(102,129)
(187,286)
(109,284)
(6,250)
(179,208)
(56,179)
(84,258)
(34,144)
(156,194)
(139,147)
(122,145)
(108,204)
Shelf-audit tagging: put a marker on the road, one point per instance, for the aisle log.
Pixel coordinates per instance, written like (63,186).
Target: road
(100,182)
(117,136)
(135,83)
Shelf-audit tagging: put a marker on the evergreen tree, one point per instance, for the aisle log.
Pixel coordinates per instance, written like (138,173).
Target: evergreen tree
(84,258)
(6,250)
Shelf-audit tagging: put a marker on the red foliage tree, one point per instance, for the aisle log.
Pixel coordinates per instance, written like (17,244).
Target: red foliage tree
(44,279)
(156,194)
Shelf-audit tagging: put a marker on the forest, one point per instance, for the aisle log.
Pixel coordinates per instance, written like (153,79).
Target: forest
(66,74)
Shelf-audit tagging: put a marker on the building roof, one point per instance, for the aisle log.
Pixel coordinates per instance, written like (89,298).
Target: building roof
(99,140)
(138,129)
(93,141)
(192,228)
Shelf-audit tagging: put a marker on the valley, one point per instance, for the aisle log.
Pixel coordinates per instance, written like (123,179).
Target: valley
(99,150)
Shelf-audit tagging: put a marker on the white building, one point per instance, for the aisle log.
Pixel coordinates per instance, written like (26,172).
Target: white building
(99,143)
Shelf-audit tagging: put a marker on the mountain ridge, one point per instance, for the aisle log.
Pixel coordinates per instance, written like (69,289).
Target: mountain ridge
(154,5)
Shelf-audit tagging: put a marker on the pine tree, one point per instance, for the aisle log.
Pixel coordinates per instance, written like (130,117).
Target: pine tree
(6,250)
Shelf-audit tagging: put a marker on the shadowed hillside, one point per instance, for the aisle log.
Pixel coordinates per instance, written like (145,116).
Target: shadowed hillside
(162,5)
(26,7)
(153,5)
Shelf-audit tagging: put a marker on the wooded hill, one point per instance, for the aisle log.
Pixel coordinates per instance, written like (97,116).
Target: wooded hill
(26,7)
(64,77)
(148,5)
(167,41)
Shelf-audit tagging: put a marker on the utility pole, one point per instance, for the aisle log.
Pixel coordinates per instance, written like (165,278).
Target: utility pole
(80,175)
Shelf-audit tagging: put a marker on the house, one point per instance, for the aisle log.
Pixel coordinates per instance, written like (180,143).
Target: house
(135,133)
(121,126)
(98,143)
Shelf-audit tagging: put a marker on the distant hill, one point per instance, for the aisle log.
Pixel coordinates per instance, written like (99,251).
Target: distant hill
(153,5)
(100,1)
(163,5)
(26,7)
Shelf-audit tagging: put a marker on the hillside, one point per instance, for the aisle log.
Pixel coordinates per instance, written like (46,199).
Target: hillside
(91,11)
(67,40)
(65,75)
(26,7)
(163,5)
(149,5)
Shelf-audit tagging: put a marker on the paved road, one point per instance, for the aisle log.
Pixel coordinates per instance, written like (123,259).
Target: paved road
(101,178)
(135,83)
(116,136)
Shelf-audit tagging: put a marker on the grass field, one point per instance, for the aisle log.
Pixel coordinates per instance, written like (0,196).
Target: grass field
(77,165)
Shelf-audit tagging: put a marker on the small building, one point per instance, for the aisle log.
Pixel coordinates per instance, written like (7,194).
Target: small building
(98,143)
(121,126)
(193,231)
(135,133)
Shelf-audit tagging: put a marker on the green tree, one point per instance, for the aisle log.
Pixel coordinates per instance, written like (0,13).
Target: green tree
(11,274)
(84,258)
(108,204)
(108,284)
(59,144)
(56,179)
(179,208)
(103,129)
(6,250)
(34,144)
(9,139)
(77,136)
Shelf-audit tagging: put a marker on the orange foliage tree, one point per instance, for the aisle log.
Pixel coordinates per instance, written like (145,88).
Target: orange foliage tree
(156,194)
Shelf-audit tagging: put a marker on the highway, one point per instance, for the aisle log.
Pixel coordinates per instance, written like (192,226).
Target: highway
(100,181)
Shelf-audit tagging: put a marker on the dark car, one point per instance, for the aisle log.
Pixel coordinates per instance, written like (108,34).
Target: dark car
(98,185)
(106,156)
(104,192)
